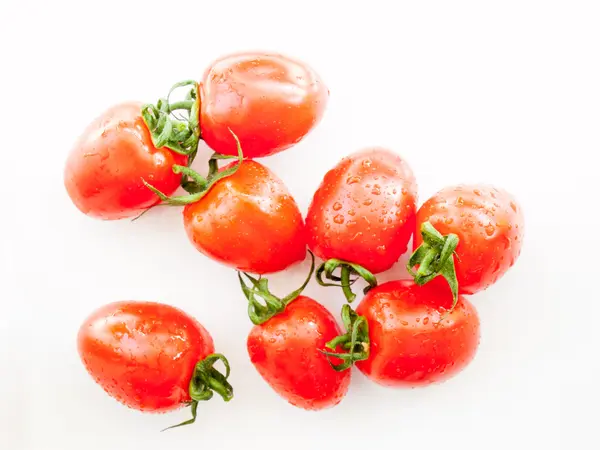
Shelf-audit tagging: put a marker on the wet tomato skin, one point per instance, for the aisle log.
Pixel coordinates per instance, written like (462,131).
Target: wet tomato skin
(364,210)
(104,170)
(285,351)
(142,353)
(489,224)
(409,345)
(248,221)
(270,101)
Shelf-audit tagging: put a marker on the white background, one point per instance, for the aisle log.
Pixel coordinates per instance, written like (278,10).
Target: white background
(501,92)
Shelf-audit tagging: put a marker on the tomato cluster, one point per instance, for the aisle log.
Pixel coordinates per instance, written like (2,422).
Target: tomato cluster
(404,333)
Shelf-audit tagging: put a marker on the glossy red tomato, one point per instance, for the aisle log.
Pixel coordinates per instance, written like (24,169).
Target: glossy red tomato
(364,210)
(285,351)
(414,340)
(248,221)
(489,224)
(104,171)
(269,100)
(144,354)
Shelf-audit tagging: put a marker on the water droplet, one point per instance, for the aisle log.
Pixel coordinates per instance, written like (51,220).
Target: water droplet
(337,206)
(351,212)
(425,320)
(367,202)
(490,229)
(477,192)
(513,206)
(352,180)
(459,201)
(366,163)
(339,219)
(448,220)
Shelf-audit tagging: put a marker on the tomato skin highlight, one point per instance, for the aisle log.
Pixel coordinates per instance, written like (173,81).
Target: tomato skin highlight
(489,224)
(409,347)
(269,100)
(248,221)
(285,351)
(364,210)
(104,171)
(143,353)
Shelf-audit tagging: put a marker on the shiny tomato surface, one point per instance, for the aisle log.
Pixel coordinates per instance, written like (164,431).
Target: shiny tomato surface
(364,210)
(285,351)
(104,171)
(414,340)
(248,221)
(143,354)
(269,100)
(489,224)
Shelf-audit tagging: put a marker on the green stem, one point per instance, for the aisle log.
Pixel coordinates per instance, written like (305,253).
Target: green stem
(195,176)
(213,167)
(181,135)
(344,280)
(205,381)
(184,104)
(196,189)
(260,313)
(355,343)
(345,283)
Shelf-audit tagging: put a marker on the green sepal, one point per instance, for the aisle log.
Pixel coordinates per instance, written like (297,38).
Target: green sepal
(258,312)
(434,257)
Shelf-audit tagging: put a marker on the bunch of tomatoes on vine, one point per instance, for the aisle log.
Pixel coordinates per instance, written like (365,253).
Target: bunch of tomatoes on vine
(405,333)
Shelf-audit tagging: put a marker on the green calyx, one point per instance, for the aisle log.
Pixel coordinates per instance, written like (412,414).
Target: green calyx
(196,184)
(179,133)
(434,257)
(354,345)
(205,381)
(345,280)
(258,312)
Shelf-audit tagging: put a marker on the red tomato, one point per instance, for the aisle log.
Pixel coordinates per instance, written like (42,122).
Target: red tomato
(104,171)
(269,100)
(415,341)
(364,210)
(144,354)
(489,224)
(285,351)
(248,221)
